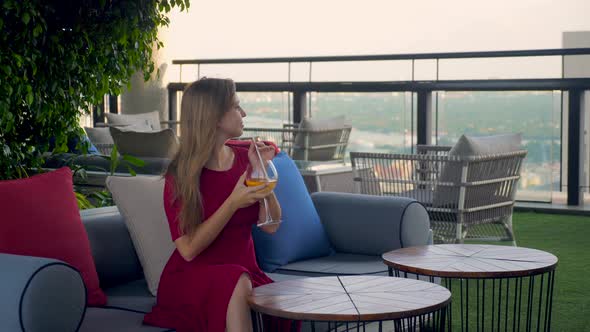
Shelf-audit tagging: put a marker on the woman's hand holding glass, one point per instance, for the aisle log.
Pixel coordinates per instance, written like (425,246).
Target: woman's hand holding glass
(243,196)
(261,171)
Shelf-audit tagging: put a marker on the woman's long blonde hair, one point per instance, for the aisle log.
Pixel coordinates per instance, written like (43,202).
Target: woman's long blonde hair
(204,103)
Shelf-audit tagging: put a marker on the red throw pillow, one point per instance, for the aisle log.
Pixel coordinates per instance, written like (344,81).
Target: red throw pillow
(40,217)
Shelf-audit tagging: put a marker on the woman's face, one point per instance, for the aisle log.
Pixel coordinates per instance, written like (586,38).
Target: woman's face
(231,124)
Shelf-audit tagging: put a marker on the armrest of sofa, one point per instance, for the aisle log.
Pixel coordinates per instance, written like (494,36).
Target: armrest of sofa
(112,249)
(40,294)
(372,225)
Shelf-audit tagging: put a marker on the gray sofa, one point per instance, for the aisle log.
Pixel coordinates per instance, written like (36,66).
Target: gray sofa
(39,294)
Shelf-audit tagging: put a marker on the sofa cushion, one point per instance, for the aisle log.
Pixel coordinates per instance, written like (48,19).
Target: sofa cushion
(486,145)
(116,320)
(137,127)
(152,119)
(133,295)
(337,264)
(301,235)
(99,135)
(329,131)
(40,217)
(140,202)
(155,144)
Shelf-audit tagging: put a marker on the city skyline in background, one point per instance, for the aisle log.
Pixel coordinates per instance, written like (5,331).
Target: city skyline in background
(385,122)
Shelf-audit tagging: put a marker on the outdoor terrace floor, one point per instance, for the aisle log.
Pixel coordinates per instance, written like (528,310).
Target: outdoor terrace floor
(565,236)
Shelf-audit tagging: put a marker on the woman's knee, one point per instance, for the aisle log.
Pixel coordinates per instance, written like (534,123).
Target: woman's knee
(244,284)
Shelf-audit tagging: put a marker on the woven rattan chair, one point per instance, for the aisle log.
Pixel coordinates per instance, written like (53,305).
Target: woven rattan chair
(466,197)
(306,144)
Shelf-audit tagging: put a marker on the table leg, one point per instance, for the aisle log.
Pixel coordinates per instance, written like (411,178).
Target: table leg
(254,318)
(507,304)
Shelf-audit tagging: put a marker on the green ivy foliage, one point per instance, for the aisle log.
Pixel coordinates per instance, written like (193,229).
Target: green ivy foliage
(60,57)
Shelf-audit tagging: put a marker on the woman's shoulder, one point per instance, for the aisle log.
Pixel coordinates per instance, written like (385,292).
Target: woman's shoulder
(241,151)
(168,178)
(169,186)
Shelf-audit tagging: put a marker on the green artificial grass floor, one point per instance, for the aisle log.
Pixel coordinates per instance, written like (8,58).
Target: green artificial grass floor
(568,238)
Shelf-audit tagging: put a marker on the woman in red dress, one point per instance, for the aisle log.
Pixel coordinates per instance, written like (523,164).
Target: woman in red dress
(210,210)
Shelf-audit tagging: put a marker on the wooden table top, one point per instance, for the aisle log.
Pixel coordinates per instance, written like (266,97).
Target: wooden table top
(471,261)
(349,298)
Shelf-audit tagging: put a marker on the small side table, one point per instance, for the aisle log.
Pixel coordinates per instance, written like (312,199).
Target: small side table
(497,287)
(342,300)
(326,176)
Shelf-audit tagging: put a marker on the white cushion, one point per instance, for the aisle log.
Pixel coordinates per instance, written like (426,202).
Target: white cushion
(99,135)
(136,127)
(486,145)
(445,196)
(141,203)
(152,119)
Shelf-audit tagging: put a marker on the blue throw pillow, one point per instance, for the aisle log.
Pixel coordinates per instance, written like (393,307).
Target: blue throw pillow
(301,234)
(73,145)
(91,148)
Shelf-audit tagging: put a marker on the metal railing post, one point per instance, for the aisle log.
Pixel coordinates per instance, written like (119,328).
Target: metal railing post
(172,106)
(424,117)
(299,105)
(575,128)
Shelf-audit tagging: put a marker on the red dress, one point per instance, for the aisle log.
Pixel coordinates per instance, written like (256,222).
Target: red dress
(193,296)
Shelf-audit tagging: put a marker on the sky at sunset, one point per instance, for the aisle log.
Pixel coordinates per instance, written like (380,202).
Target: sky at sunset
(263,28)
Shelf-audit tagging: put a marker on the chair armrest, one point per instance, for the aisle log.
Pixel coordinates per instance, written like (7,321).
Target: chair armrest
(371,225)
(40,294)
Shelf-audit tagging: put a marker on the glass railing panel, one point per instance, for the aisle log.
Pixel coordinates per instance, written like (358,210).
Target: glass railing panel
(535,114)
(425,70)
(500,68)
(355,71)
(263,110)
(251,72)
(381,122)
(266,109)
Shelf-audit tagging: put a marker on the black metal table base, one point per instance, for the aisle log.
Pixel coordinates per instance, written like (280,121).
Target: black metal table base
(432,322)
(497,304)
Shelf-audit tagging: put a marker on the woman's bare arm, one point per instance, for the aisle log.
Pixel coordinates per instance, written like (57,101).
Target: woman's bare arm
(191,245)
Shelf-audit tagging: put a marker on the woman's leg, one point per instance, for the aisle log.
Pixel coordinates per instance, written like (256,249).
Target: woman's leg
(238,312)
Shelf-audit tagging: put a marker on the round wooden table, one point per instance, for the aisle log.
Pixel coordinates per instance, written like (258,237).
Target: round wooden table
(341,300)
(510,288)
